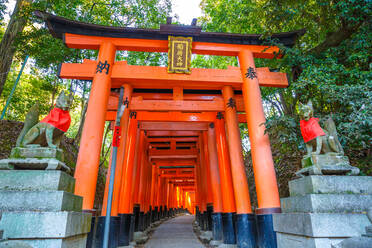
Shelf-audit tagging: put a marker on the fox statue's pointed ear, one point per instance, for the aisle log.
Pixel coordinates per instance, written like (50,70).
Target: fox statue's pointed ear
(310,103)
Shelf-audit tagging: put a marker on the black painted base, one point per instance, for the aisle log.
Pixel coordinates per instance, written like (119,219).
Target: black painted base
(217,226)
(125,220)
(90,236)
(132,225)
(197,215)
(205,221)
(113,234)
(228,228)
(136,212)
(209,217)
(266,237)
(161,212)
(165,212)
(141,221)
(246,230)
(156,214)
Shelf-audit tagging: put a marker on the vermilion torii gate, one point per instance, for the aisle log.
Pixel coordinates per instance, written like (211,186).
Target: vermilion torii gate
(180,143)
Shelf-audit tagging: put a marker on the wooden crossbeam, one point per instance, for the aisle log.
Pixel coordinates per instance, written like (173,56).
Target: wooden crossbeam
(173,126)
(163,133)
(111,116)
(137,104)
(154,152)
(177,139)
(157,77)
(170,162)
(146,45)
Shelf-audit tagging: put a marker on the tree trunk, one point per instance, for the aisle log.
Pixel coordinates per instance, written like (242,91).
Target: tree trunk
(16,25)
(81,126)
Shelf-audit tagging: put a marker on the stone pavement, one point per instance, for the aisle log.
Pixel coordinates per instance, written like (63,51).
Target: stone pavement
(176,232)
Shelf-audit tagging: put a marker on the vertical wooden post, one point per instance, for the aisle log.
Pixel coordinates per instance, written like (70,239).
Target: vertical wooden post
(263,165)
(216,185)
(228,199)
(207,167)
(134,176)
(126,184)
(245,224)
(214,171)
(140,171)
(239,178)
(143,175)
(86,172)
(120,157)
(154,179)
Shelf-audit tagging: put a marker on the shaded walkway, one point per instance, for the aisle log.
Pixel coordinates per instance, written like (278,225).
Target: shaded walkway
(176,232)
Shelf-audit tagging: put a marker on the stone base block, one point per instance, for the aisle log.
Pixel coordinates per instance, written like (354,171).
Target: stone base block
(356,242)
(328,159)
(285,240)
(78,241)
(331,185)
(227,246)
(321,225)
(327,203)
(33,164)
(36,180)
(44,225)
(328,170)
(140,237)
(36,151)
(40,201)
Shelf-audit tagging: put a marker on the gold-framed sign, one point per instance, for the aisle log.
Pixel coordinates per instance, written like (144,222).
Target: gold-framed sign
(179,54)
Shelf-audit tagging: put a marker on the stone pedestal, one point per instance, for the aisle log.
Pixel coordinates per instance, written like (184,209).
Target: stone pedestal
(323,210)
(326,164)
(39,209)
(35,157)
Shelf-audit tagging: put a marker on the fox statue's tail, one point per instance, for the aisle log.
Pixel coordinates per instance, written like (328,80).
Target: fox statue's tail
(32,118)
(331,129)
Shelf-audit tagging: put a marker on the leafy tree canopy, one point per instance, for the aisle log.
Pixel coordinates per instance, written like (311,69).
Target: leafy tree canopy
(330,65)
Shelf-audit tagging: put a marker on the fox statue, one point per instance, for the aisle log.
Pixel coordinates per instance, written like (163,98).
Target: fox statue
(49,131)
(318,140)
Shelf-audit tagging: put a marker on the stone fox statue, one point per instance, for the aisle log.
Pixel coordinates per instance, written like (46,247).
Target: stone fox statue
(49,131)
(318,139)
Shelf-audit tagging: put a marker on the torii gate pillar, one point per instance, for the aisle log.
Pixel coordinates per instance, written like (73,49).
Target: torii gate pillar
(263,165)
(91,140)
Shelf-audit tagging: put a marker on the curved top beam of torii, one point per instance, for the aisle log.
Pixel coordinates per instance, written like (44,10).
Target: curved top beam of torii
(59,26)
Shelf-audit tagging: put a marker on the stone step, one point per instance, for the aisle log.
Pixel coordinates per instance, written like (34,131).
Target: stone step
(327,203)
(36,180)
(41,225)
(78,241)
(331,185)
(321,224)
(39,201)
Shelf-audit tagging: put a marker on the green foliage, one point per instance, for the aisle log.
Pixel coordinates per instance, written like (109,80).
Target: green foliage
(333,58)
(2,8)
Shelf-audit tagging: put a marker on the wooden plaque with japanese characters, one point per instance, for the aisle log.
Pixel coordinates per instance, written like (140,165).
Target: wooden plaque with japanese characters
(179,54)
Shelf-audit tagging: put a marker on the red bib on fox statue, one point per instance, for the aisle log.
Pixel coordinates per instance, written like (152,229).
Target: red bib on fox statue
(311,129)
(58,118)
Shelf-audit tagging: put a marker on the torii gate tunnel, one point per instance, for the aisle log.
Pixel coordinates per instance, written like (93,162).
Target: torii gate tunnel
(180,147)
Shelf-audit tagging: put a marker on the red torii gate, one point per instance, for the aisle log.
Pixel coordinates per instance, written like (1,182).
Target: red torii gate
(106,73)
